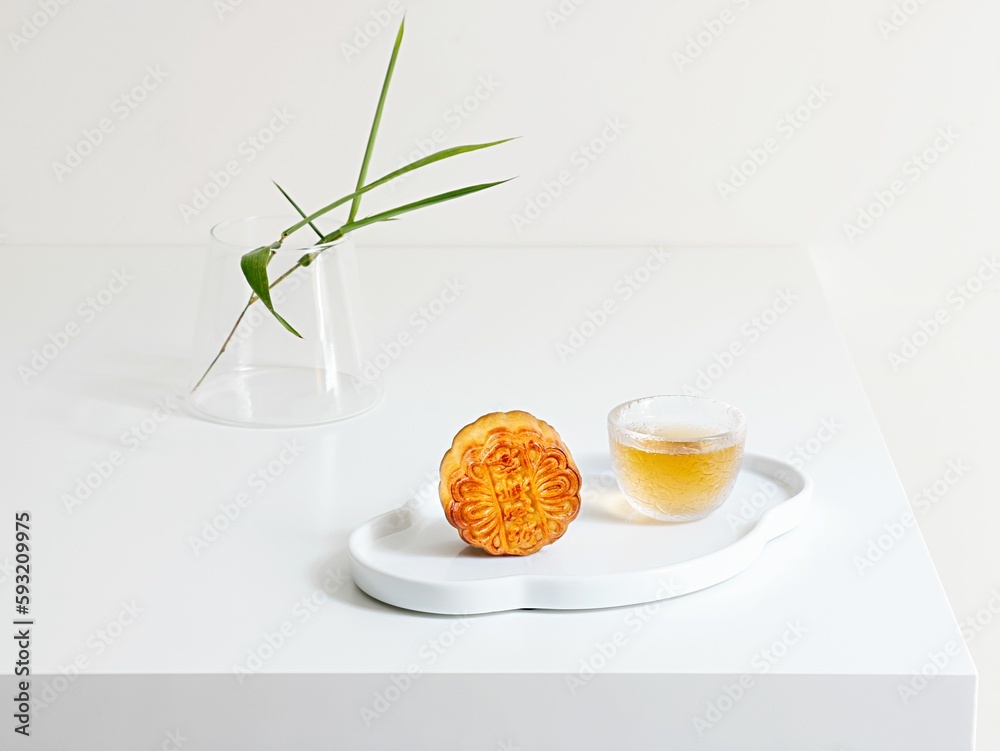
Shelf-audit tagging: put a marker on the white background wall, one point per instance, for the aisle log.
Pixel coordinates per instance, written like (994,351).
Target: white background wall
(557,74)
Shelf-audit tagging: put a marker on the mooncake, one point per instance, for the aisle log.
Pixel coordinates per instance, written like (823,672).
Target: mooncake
(509,484)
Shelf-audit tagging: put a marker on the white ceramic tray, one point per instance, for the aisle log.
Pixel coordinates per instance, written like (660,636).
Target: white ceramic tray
(611,555)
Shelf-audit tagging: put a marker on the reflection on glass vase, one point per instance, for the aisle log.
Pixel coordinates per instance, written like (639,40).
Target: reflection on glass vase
(266,376)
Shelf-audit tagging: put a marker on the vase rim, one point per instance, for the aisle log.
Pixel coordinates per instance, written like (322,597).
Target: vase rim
(216,232)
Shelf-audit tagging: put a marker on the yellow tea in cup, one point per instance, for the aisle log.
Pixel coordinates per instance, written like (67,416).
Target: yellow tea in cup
(676,458)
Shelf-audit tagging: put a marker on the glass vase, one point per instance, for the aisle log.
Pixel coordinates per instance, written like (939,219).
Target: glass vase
(248,369)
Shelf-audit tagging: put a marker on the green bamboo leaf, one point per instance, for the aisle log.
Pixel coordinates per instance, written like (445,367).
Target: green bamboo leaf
(254,266)
(406,208)
(296,206)
(437,156)
(375,123)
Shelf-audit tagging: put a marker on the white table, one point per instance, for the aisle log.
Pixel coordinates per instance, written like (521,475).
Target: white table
(812,648)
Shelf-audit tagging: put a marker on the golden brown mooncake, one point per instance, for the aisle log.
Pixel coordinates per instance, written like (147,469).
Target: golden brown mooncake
(509,484)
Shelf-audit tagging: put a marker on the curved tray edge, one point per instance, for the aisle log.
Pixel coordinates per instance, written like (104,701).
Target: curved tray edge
(520,591)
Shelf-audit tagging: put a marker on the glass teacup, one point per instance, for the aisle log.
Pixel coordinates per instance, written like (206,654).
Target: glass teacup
(676,458)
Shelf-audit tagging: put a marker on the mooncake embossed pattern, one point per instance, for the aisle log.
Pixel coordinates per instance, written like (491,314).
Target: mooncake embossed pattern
(509,484)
